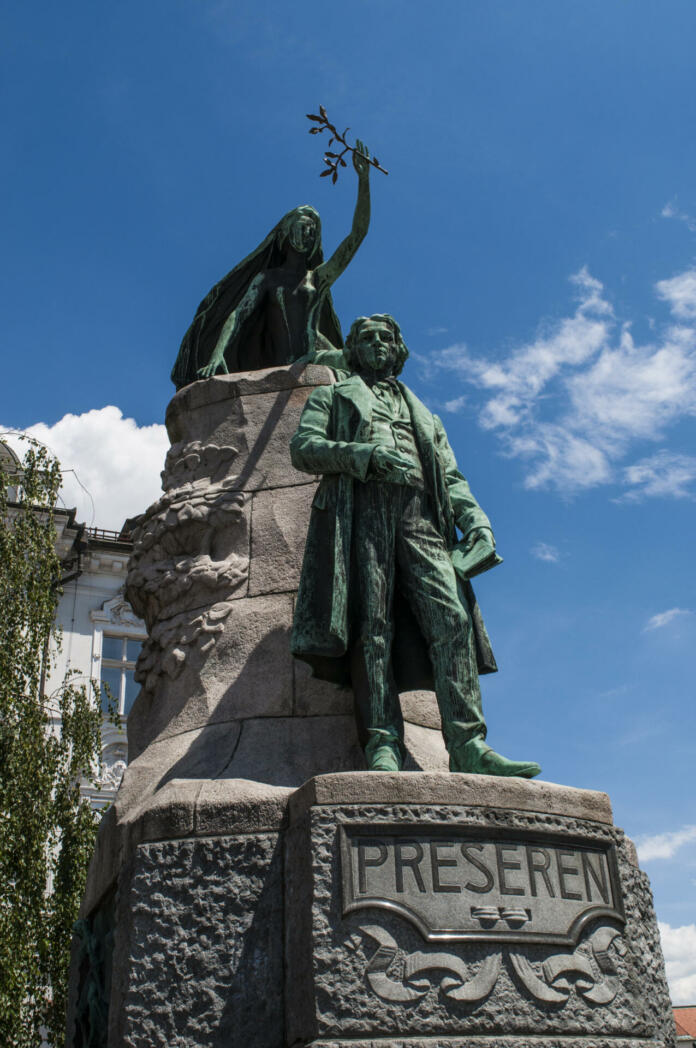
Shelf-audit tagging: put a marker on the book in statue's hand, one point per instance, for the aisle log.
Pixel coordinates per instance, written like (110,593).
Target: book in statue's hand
(481,557)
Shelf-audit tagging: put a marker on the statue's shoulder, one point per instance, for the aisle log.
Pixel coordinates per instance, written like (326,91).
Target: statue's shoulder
(349,386)
(416,402)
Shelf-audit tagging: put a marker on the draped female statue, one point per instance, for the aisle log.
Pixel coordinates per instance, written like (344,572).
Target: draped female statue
(275,307)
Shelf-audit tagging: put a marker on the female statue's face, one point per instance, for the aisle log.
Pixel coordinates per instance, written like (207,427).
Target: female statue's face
(302,233)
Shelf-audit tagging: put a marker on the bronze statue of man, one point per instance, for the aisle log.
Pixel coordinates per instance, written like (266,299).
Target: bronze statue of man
(380,604)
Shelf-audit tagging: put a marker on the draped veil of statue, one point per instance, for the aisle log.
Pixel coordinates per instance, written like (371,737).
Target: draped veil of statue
(275,306)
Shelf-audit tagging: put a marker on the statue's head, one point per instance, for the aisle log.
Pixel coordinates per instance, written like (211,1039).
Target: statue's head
(374,344)
(301,229)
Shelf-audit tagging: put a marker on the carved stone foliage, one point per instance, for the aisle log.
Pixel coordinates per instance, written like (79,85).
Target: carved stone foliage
(190,548)
(589,970)
(190,558)
(170,641)
(397,976)
(194,464)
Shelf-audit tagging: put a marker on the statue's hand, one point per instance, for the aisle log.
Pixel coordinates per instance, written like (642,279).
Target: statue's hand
(216,361)
(475,535)
(384,461)
(361,159)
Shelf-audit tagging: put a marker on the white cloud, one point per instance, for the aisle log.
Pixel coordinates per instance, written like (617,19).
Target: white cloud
(517,382)
(573,402)
(560,458)
(664,845)
(680,294)
(679,948)
(632,392)
(670,210)
(117,461)
(665,473)
(457,404)
(663,618)
(544,551)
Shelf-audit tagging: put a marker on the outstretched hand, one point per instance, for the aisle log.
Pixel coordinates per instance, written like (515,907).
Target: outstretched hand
(361,159)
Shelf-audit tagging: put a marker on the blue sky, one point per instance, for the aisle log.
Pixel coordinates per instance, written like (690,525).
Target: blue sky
(536,239)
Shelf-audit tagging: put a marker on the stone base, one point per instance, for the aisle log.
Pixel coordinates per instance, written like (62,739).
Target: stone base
(514,1041)
(366,908)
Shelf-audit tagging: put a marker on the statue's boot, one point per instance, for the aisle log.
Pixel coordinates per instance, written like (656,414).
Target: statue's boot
(476,757)
(383,752)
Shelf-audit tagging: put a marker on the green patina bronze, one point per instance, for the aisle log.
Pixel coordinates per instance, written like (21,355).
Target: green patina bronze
(275,307)
(380,604)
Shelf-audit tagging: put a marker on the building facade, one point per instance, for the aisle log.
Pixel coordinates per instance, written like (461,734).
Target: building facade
(100,637)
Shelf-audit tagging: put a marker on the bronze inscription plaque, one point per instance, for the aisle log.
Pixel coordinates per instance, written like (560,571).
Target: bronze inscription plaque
(453,883)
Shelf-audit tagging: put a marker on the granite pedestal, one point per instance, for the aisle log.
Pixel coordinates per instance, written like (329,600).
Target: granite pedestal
(383,909)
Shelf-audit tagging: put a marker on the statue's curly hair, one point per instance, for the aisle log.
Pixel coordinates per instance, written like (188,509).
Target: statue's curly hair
(349,348)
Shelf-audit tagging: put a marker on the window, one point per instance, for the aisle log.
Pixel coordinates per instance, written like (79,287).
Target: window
(117,668)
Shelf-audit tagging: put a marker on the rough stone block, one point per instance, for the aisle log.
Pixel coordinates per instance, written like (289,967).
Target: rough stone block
(211,913)
(280,518)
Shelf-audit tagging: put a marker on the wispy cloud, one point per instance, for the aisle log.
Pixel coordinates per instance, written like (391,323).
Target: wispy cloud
(662,474)
(547,552)
(614,693)
(680,294)
(111,465)
(664,845)
(516,383)
(572,403)
(670,210)
(457,404)
(663,618)
(679,948)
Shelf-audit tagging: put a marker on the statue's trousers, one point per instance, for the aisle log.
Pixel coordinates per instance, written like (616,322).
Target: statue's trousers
(397,542)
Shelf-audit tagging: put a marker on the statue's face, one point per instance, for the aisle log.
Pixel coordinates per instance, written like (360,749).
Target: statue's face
(302,234)
(376,347)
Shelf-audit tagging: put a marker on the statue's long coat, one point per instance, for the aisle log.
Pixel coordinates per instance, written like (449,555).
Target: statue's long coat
(332,439)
